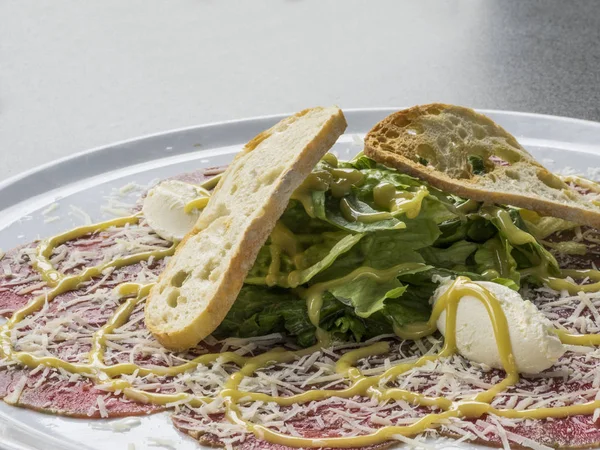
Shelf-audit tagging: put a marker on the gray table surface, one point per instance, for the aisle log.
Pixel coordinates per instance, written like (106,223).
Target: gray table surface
(75,75)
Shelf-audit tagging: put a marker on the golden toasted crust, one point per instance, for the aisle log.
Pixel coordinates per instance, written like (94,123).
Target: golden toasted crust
(460,151)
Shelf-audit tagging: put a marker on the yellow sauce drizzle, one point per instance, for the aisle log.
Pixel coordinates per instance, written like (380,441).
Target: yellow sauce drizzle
(367,386)
(340,181)
(44,249)
(386,196)
(352,215)
(343,179)
(317,180)
(211,183)
(197,203)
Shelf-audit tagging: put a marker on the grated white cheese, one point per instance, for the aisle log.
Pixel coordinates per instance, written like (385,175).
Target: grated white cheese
(53,207)
(13,397)
(116,425)
(80,214)
(162,442)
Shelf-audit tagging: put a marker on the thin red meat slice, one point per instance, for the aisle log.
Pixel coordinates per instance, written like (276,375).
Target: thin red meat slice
(80,399)
(15,270)
(304,425)
(57,395)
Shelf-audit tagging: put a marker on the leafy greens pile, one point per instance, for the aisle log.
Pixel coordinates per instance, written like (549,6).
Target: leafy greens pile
(337,230)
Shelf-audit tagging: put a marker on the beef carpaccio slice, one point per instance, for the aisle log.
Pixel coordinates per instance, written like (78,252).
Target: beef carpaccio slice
(87,309)
(65,326)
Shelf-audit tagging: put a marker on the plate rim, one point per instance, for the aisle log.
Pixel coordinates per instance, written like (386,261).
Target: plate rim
(256,120)
(268,117)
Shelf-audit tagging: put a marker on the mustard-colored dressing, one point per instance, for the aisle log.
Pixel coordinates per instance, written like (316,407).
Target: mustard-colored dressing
(340,182)
(386,196)
(367,386)
(211,183)
(44,249)
(198,203)
(317,180)
(515,235)
(343,180)
(352,215)
(564,284)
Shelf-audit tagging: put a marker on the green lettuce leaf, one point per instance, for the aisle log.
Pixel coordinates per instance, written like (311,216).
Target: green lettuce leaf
(527,251)
(361,161)
(259,310)
(494,260)
(542,227)
(568,247)
(449,237)
(316,257)
(328,208)
(324,257)
(367,295)
(298,221)
(472,228)
(387,248)
(408,310)
(450,257)
(368,292)
(452,231)
(507,282)
(360,200)
(384,249)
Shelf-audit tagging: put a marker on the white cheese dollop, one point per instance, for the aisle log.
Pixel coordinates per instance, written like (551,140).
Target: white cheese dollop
(534,345)
(164,208)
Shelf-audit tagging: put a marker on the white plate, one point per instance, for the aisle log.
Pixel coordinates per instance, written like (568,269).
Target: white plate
(85,179)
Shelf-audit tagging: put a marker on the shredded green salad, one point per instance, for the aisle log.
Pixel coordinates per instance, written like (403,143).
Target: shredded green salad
(362,217)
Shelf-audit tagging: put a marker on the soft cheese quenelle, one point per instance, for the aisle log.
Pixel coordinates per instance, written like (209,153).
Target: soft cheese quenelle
(534,344)
(172,207)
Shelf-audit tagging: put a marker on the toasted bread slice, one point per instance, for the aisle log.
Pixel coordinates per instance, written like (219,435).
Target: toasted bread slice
(460,151)
(203,278)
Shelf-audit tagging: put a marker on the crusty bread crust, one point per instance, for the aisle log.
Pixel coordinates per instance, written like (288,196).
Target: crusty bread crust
(203,278)
(437,142)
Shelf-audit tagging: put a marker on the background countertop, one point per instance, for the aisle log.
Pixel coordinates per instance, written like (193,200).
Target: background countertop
(75,75)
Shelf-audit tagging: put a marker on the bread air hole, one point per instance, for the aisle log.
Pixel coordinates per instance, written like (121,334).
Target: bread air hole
(179,278)
(208,268)
(401,121)
(571,195)
(550,180)
(427,153)
(513,174)
(478,132)
(172,298)
(270,176)
(449,125)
